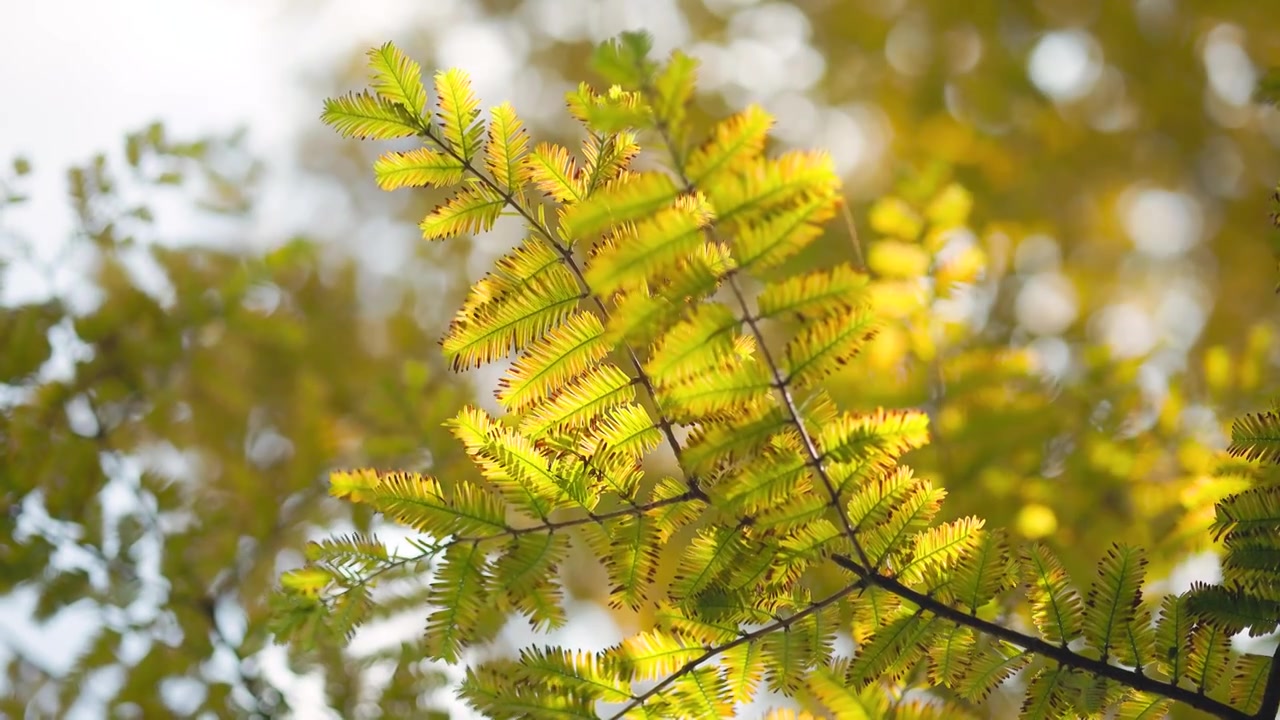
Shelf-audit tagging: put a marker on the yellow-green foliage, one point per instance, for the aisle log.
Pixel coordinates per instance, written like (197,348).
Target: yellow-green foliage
(642,309)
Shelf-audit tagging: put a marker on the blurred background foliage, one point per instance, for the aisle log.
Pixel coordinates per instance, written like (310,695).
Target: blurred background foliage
(1064,205)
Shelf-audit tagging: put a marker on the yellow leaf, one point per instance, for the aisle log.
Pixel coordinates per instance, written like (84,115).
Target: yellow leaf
(896,259)
(1037,521)
(888,348)
(305,581)
(950,208)
(962,269)
(896,299)
(892,216)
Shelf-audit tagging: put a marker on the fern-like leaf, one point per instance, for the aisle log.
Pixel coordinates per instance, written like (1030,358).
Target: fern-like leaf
(814,295)
(526,572)
(709,554)
(508,143)
(937,550)
(879,498)
(471,210)
(653,246)
(736,387)
(581,402)
(1254,512)
(349,556)
(421,167)
(653,655)
(632,560)
(822,347)
(796,177)
(419,502)
(893,650)
(734,142)
(1046,696)
(576,673)
(828,687)
(986,571)
(459,112)
(606,156)
(743,667)
(489,689)
(949,655)
(513,320)
(636,197)
(459,594)
(1114,598)
(702,692)
(553,170)
(988,667)
(361,115)
(916,510)
(1232,609)
(693,345)
(1249,682)
(623,432)
(889,433)
(526,477)
(563,353)
(1143,706)
(1256,436)
(789,656)
(1173,633)
(398,78)
(1055,605)
(1208,657)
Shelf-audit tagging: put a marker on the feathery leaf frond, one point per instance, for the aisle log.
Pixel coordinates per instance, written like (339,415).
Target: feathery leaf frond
(1256,436)
(459,113)
(733,143)
(361,115)
(651,247)
(508,143)
(815,295)
(471,210)
(562,354)
(1055,605)
(398,78)
(553,170)
(421,167)
(1114,598)
(627,200)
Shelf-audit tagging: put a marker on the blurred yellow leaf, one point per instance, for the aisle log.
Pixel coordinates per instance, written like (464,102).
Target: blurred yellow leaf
(950,208)
(895,259)
(896,299)
(305,581)
(892,216)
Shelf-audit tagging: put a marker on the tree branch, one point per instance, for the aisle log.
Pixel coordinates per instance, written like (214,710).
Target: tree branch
(1058,653)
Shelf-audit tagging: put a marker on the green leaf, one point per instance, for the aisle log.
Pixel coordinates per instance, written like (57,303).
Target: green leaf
(459,113)
(624,59)
(508,142)
(471,210)
(362,115)
(421,167)
(398,78)
(1115,597)
(1055,605)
